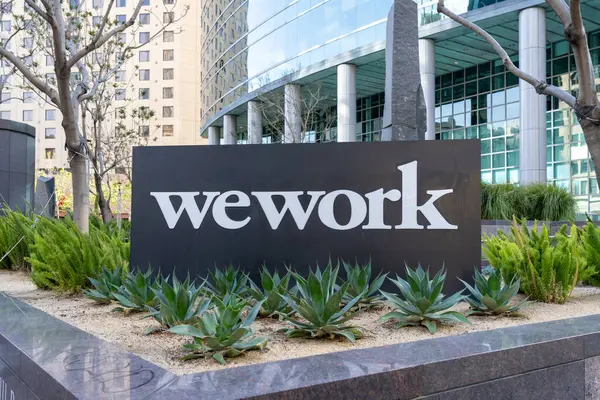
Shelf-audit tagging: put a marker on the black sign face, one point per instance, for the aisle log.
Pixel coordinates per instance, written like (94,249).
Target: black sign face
(197,207)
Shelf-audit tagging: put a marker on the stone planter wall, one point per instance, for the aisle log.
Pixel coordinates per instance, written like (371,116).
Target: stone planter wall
(44,358)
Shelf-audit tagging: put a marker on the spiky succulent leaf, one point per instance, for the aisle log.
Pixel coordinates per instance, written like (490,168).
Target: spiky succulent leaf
(229,281)
(178,303)
(359,281)
(273,289)
(422,301)
(319,301)
(223,331)
(491,294)
(105,286)
(138,292)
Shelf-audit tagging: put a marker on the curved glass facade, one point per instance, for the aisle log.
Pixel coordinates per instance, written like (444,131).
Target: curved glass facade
(249,43)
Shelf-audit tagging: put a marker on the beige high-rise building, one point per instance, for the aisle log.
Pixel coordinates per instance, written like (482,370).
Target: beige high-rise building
(162,75)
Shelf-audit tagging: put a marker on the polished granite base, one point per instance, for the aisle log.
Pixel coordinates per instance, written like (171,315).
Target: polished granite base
(44,358)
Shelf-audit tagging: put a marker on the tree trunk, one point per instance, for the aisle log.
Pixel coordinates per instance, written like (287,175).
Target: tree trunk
(81,192)
(104,206)
(591,132)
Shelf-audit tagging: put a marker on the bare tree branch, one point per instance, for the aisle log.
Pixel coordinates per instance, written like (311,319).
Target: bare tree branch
(540,86)
(30,76)
(44,14)
(94,44)
(103,23)
(562,10)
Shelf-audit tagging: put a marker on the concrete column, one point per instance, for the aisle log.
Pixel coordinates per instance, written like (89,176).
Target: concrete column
(214,135)
(229,129)
(427,67)
(255,124)
(293,116)
(532,59)
(346,103)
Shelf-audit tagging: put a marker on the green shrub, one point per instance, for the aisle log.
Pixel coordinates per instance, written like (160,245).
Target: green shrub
(589,238)
(548,268)
(15,238)
(318,302)
(63,258)
(423,302)
(532,202)
(223,332)
(491,295)
(178,304)
(273,288)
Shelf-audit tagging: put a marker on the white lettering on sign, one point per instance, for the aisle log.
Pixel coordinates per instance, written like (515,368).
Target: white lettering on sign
(371,209)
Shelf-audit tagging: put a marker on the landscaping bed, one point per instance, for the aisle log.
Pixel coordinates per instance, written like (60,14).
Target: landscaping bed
(164,349)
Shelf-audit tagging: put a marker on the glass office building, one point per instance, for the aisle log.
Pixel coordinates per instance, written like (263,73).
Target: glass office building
(262,58)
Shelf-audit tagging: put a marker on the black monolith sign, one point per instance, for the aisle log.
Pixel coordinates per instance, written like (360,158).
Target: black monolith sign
(197,207)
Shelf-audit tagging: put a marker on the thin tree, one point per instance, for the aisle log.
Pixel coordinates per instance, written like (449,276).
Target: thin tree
(65,30)
(585,104)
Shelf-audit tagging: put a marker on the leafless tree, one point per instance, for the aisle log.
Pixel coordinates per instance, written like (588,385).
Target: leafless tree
(317,116)
(66,31)
(585,103)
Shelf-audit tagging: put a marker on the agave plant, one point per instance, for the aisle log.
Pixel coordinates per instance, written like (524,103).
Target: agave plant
(423,302)
(359,281)
(137,292)
(318,302)
(491,296)
(178,304)
(273,289)
(230,281)
(222,331)
(105,287)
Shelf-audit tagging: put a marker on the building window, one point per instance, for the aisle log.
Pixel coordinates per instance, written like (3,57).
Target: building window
(167,130)
(4,114)
(120,94)
(168,17)
(122,37)
(168,74)
(144,56)
(121,3)
(145,130)
(50,115)
(6,26)
(168,1)
(144,37)
(50,133)
(120,76)
(120,112)
(6,6)
(5,98)
(167,93)
(144,74)
(168,36)
(96,20)
(167,112)
(27,115)
(49,61)
(144,94)
(121,18)
(50,154)
(146,3)
(168,55)
(97,3)
(27,97)
(144,18)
